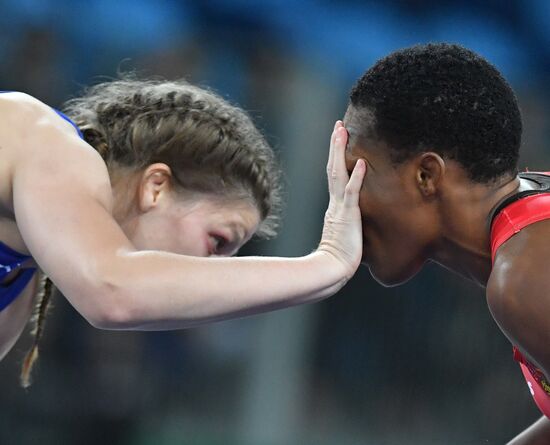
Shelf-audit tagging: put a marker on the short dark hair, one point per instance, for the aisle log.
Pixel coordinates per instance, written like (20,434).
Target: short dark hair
(445,98)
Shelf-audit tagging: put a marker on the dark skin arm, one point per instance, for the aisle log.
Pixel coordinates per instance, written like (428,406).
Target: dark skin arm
(518,294)
(536,434)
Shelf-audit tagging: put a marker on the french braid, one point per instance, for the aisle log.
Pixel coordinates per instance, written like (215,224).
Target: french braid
(44,296)
(210,146)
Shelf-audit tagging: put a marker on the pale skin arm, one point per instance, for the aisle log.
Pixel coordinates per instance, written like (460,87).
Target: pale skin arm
(62,201)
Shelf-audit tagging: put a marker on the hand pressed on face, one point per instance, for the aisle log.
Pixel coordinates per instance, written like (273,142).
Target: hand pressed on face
(342,228)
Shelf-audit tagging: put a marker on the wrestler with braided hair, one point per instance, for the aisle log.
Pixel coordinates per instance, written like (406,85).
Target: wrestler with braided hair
(133,201)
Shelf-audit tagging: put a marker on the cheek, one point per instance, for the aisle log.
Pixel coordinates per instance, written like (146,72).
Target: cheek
(150,233)
(398,226)
(392,234)
(190,238)
(183,236)
(393,250)
(378,211)
(376,195)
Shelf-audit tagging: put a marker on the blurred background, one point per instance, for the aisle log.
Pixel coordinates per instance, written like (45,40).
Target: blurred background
(419,364)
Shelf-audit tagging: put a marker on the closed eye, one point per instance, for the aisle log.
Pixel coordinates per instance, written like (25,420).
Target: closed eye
(219,245)
(221,242)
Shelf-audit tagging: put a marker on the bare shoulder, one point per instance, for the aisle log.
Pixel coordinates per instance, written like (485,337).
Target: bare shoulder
(522,261)
(36,140)
(17,100)
(26,124)
(518,291)
(17,111)
(22,116)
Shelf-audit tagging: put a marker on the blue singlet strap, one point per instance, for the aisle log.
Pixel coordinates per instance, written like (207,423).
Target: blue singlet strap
(70,122)
(11,260)
(10,292)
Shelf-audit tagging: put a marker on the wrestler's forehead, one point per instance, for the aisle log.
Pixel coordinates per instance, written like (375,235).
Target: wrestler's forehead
(358,123)
(358,148)
(358,145)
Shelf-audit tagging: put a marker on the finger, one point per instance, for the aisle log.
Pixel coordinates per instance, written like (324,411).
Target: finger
(353,187)
(339,174)
(337,125)
(330,161)
(330,152)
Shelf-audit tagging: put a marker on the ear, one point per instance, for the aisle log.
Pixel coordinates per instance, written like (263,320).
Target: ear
(155,183)
(429,173)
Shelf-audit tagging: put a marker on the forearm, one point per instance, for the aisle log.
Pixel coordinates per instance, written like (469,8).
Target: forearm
(536,434)
(157,290)
(66,221)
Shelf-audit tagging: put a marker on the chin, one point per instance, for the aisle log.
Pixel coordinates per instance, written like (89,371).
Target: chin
(388,277)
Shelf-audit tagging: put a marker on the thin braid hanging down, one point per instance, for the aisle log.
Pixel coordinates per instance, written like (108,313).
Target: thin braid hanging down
(39,317)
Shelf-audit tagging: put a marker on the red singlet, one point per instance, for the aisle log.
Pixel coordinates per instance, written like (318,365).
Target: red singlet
(509,221)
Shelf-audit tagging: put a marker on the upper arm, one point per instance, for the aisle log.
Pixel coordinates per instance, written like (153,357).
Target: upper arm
(62,202)
(518,292)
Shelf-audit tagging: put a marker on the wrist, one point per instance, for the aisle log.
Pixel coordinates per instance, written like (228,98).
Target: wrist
(337,259)
(332,270)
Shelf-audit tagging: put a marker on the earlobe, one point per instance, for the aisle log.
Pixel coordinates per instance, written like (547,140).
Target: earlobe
(430,171)
(155,182)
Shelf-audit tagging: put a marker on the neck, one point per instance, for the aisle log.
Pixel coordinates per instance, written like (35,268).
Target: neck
(464,245)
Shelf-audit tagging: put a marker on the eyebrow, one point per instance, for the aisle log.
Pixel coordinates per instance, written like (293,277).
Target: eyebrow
(237,229)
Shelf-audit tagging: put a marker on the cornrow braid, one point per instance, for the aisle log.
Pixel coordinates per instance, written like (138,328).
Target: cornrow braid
(44,296)
(210,145)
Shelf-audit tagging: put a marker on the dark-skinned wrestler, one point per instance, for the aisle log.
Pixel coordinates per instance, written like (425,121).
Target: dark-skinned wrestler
(440,129)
